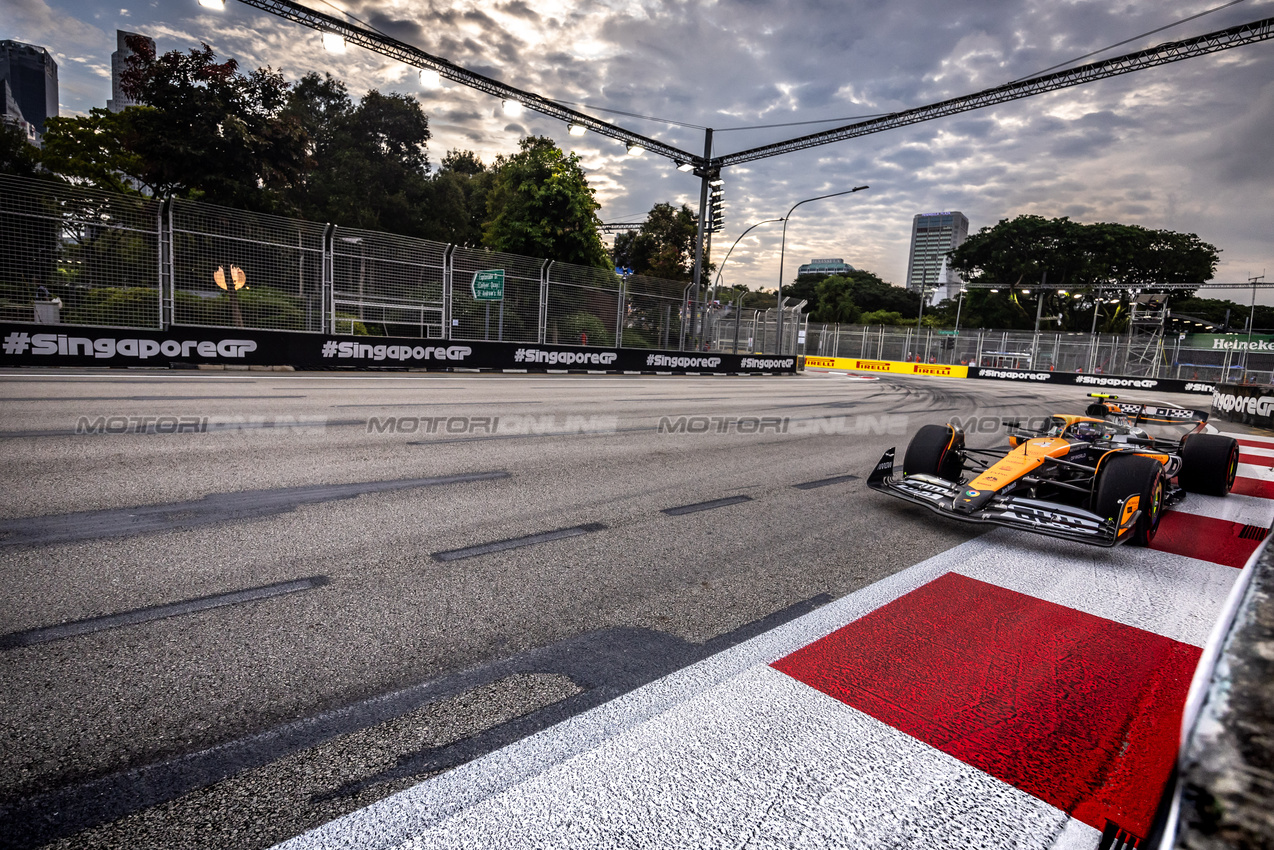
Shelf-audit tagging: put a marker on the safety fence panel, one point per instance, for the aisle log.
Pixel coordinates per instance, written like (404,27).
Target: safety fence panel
(232,268)
(584,305)
(78,256)
(515,317)
(655,313)
(732,329)
(387,285)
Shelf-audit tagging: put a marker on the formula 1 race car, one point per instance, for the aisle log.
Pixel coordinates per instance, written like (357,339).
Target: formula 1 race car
(1101,478)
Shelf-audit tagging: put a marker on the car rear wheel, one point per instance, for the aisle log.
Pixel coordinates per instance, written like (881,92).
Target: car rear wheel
(1209,463)
(935,450)
(1131,475)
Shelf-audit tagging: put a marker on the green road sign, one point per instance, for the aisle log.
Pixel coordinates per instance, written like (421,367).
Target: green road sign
(488,285)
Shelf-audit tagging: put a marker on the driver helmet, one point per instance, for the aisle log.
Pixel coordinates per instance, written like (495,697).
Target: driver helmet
(1087,431)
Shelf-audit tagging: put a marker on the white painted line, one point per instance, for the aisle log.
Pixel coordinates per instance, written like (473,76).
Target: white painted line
(1250,470)
(1245,510)
(759,761)
(1166,594)
(1258,438)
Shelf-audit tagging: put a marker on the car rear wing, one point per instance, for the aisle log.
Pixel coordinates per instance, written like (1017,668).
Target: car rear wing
(1149,412)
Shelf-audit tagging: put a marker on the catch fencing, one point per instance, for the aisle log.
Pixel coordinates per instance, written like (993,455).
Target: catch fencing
(1149,356)
(78,256)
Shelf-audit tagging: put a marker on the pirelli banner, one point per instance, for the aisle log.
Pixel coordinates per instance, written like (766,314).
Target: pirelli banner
(55,345)
(892,367)
(1094,382)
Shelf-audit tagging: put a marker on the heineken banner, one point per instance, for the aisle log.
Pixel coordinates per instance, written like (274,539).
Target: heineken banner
(1262,343)
(45,345)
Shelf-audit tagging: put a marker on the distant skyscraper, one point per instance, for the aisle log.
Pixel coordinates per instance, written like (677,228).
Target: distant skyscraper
(13,115)
(933,236)
(119,64)
(33,80)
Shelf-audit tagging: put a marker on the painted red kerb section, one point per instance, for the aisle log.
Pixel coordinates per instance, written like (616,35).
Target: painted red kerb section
(1203,537)
(1078,711)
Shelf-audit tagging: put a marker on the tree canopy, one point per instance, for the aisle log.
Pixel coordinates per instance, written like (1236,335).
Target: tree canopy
(206,131)
(540,205)
(664,246)
(1066,264)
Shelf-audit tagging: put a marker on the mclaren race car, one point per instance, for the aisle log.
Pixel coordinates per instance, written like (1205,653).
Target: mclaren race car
(1101,478)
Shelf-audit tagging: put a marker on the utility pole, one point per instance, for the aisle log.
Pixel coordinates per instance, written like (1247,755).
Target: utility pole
(1251,323)
(1039,311)
(705,174)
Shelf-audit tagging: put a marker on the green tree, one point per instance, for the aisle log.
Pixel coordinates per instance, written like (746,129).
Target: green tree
(369,162)
(1077,258)
(98,149)
(664,246)
(459,199)
(17,155)
(835,301)
(540,205)
(213,133)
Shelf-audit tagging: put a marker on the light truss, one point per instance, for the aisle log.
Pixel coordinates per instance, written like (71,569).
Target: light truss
(417,58)
(1163,54)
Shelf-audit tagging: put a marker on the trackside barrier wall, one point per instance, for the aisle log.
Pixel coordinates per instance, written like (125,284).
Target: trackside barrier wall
(41,345)
(1112,383)
(1247,404)
(1220,791)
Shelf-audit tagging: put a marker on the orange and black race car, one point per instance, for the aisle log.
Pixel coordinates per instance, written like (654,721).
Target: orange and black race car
(1101,478)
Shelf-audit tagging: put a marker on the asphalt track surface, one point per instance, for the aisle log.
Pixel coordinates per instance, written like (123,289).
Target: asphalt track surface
(581,630)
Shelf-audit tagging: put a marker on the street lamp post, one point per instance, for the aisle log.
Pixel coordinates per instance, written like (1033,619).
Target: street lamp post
(717,282)
(778,344)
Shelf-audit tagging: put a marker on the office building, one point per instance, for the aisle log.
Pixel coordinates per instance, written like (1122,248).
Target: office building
(933,237)
(119,64)
(824,267)
(33,81)
(13,115)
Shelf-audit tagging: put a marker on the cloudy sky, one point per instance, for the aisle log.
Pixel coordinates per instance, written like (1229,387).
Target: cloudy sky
(1185,147)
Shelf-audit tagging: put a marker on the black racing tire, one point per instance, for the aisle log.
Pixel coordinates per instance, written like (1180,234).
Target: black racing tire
(935,450)
(1127,475)
(1209,463)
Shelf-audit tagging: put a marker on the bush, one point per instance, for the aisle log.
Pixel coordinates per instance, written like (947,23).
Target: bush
(571,330)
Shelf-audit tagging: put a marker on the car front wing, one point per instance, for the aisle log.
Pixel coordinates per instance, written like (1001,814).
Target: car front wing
(1040,517)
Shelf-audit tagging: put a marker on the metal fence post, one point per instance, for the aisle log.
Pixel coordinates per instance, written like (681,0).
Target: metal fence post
(164,233)
(327,278)
(544,301)
(448,258)
(619,315)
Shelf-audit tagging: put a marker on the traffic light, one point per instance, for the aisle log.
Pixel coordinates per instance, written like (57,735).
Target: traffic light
(716,205)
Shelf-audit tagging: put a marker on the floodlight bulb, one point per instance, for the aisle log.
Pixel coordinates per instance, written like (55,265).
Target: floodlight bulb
(993,290)
(219,5)
(430,79)
(577,129)
(685,166)
(512,108)
(333,43)
(636,150)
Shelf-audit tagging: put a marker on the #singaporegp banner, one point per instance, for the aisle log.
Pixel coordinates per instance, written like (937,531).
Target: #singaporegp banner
(59,345)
